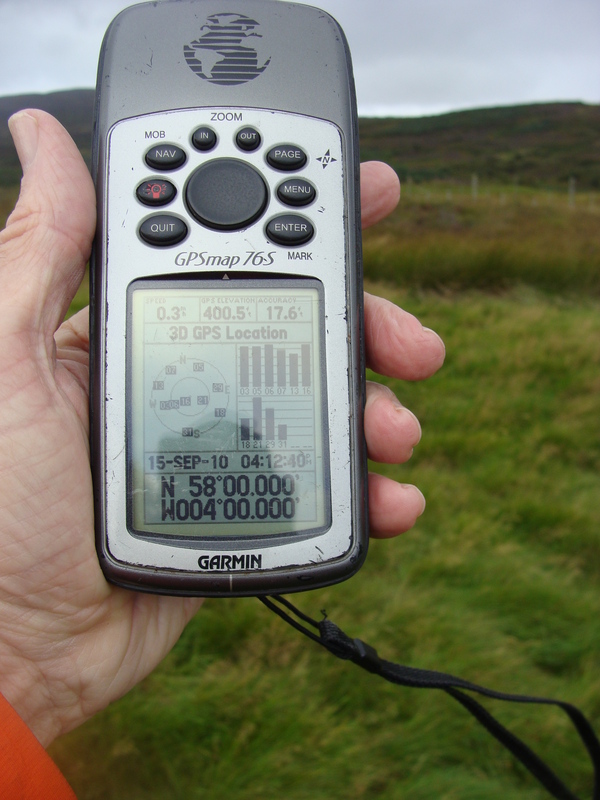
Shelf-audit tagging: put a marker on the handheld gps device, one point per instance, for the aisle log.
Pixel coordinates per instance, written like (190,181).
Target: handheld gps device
(227,359)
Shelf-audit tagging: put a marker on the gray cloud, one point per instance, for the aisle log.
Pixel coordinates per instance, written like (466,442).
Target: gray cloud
(410,56)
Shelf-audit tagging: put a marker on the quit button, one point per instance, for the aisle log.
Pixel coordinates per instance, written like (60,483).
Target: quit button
(290,230)
(163,230)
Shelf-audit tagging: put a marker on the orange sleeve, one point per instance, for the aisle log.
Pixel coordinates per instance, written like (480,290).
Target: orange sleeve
(26,771)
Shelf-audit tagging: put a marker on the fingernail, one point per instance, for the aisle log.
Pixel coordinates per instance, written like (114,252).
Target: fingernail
(25,133)
(423,501)
(429,330)
(415,420)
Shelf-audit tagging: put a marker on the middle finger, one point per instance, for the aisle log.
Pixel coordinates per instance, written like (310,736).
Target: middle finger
(391,430)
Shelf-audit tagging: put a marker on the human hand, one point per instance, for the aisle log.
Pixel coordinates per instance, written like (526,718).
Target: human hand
(400,347)
(70,643)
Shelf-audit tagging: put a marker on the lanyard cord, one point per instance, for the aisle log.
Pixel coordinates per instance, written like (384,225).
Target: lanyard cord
(329,636)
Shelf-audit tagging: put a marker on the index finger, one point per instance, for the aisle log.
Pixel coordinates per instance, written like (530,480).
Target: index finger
(379,191)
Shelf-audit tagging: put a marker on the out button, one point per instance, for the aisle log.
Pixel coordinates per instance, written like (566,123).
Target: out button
(248,139)
(290,230)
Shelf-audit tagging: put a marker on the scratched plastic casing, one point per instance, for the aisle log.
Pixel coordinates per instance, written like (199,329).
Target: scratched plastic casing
(165,69)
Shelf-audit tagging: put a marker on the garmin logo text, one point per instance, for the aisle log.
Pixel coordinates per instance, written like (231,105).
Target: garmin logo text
(228,563)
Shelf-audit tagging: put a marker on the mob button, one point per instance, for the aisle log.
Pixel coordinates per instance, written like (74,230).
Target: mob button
(163,230)
(290,230)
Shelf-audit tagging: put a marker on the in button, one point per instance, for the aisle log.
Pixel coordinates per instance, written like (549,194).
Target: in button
(204,139)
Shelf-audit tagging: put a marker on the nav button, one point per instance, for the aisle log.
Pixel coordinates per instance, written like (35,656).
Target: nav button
(165,157)
(290,230)
(163,230)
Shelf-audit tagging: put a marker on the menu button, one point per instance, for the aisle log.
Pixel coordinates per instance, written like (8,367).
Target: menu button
(296,192)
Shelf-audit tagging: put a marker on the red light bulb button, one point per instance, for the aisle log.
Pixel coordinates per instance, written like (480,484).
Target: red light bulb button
(156,192)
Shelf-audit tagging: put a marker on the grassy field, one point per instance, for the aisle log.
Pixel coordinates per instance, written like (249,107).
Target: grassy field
(447,238)
(498,583)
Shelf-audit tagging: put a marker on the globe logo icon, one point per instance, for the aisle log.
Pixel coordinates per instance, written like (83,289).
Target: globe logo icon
(228,51)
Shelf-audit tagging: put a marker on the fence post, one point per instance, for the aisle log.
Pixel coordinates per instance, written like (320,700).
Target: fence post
(571,192)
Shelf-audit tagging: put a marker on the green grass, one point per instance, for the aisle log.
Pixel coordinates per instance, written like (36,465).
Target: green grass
(498,583)
(443,238)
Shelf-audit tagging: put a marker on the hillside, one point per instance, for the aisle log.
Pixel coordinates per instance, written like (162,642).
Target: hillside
(535,145)
(540,145)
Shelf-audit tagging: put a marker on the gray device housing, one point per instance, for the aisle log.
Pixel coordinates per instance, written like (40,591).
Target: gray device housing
(303,69)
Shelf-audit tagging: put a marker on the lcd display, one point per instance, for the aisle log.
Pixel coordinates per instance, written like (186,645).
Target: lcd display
(226,432)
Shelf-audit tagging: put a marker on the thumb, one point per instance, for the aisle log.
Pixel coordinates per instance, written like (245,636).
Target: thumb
(47,239)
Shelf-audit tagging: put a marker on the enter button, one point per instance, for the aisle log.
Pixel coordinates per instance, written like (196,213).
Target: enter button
(290,230)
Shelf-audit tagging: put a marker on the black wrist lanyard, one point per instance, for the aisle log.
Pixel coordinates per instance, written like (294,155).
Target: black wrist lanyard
(329,636)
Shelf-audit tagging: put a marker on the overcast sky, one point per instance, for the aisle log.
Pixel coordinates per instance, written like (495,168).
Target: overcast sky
(411,57)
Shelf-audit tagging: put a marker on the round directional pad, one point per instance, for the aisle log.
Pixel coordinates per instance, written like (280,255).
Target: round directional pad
(226,194)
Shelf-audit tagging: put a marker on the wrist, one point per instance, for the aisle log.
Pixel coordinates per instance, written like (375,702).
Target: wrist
(24,685)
